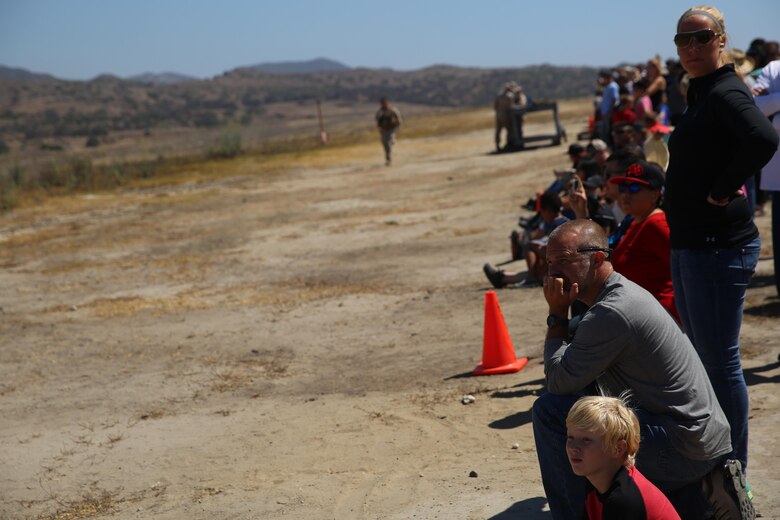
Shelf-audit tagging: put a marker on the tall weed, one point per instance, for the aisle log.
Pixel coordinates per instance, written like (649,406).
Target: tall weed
(228,145)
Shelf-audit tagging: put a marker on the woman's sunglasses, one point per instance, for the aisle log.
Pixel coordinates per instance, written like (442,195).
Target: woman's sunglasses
(629,188)
(703,37)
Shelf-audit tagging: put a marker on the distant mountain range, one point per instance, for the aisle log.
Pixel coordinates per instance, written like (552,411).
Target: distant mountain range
(38,105)
(168,78)
(300,67)
(162,78)
(22,74)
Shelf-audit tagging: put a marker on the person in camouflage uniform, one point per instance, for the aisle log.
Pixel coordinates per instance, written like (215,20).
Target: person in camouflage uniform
(388,119)
(509,97)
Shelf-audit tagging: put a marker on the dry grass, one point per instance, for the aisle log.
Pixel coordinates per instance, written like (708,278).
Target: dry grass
(144,165)
(287,294)
(244,374)
(133,305)
(87,507)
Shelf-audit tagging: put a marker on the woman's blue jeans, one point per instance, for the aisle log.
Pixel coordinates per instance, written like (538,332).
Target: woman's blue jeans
(709,290)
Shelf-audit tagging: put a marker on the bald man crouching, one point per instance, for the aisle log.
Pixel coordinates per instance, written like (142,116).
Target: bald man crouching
(626,342)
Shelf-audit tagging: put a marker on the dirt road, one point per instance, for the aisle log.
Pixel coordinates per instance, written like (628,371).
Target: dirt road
(292,344)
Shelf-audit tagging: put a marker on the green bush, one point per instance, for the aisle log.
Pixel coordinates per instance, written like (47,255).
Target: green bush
(81,171)
(75,172)
(8,188)
(228,145)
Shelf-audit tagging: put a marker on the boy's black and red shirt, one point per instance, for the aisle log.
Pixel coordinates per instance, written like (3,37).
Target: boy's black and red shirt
(630,497)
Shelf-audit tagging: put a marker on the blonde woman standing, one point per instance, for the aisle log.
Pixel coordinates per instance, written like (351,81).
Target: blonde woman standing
(720,141)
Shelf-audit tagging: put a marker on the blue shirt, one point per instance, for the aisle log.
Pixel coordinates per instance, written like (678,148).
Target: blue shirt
(609,98)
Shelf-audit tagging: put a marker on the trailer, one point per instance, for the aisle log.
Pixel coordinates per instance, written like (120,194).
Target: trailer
(517,139)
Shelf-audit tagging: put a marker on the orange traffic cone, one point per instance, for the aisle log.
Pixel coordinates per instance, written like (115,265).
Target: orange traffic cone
(498,354)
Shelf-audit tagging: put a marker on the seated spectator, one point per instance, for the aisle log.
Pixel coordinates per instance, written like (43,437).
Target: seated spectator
(622,135)
(655,147)
(534,247)
(602,442)
(576,153)
(587,168)
(598,150)
(617,163)
(643,254)
(624,111)
(640,133)
(587,201)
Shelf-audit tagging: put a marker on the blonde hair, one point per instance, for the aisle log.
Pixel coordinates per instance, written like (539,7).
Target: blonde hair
(610,418)
(705,10)
(717,17)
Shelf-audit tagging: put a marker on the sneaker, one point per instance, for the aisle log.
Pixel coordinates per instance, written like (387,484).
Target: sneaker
(724,488)
(496,276)
(529,282)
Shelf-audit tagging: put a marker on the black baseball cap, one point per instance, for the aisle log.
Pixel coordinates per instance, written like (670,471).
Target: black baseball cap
(642,172)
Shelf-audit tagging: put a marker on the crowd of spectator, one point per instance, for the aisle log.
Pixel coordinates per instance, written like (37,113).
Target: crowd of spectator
(642,142)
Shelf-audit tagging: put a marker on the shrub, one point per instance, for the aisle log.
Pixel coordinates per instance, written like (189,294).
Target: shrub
(74,173)
(81,172)
(207,119)
(8,189)
(228,145)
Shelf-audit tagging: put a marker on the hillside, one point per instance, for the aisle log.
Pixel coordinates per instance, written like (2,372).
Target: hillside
(300,67)
(33,109)
(22,74)
(161,78)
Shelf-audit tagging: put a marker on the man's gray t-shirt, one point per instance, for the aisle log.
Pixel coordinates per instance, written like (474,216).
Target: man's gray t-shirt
(627,341)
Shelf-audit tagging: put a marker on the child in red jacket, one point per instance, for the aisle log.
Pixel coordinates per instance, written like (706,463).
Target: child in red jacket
(602,442)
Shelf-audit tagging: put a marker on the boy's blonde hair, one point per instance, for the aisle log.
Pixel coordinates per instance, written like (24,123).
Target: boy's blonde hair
(610,418)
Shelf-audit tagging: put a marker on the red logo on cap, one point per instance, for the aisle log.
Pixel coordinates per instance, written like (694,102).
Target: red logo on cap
(635,170)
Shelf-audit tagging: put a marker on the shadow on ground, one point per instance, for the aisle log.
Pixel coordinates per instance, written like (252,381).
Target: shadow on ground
(535,387)
(754,376)
(763,280)
(768,310)
(526,148)
(528,509)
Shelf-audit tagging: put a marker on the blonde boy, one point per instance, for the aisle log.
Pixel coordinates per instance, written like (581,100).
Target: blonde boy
(602,442)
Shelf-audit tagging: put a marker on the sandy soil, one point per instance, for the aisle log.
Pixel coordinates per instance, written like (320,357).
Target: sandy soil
(292,345)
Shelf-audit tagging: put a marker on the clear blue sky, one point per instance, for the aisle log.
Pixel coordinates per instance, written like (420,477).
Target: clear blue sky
(79,39)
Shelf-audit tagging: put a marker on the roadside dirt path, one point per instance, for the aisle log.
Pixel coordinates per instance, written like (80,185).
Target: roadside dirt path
(292,345)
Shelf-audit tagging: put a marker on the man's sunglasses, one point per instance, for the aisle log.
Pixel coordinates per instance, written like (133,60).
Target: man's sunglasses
(604,250)
(629,188)
(703,37)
